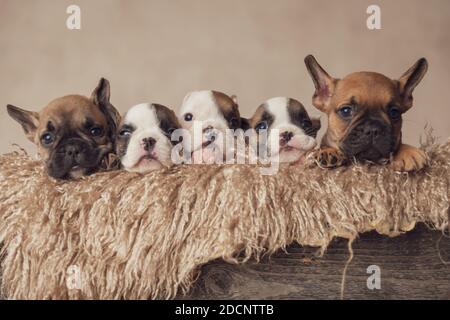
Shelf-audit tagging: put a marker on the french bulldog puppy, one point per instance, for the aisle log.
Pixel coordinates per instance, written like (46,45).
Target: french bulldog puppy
(215,113)
(286,120)
(144,138)
(73,133)
(364,112)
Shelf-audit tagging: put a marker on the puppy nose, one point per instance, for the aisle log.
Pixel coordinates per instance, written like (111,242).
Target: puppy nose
(148,143)
(372,130)
(208,129)
(71,150)
(209,133)
(287,136)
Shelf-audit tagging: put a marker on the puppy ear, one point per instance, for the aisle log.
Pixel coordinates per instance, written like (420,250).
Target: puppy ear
(234,98)
(245,124)
(316,124)
(101,96)
(101,93)
(410,79)
(29,120)
(186,97)
(323,83)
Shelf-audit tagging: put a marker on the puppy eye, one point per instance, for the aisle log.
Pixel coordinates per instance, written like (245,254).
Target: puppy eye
(261,126)
(188,117)
(346,112)
(47,138)
(125,133)
(394,113)
(96,131)
(234,122)
(306,123)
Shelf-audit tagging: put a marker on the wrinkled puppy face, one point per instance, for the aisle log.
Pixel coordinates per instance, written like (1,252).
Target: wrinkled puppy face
(364,109)
(367,116)
(287,121)
(73,133)
(215,112)
(144,138)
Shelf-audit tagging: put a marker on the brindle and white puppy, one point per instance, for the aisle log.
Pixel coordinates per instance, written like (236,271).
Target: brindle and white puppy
(73,133)
(144,139)
(215,112)
(286,120)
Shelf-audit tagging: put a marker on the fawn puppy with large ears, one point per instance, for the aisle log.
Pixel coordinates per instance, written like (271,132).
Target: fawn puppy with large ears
(74,133)
(364,112)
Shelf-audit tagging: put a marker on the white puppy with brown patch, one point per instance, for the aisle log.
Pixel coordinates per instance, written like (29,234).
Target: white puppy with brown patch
(144,137)
(208,116)
(287,121)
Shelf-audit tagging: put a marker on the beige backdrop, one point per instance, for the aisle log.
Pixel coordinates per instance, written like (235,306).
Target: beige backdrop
(156,51)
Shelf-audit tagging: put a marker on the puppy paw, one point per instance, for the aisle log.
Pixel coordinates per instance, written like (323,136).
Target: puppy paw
(330,157)
(409,159)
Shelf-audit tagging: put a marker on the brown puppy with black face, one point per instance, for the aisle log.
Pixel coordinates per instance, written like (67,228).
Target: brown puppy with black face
(73,133)
(365,116)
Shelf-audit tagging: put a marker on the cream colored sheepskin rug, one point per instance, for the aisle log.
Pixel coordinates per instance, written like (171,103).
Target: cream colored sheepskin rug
(131,236)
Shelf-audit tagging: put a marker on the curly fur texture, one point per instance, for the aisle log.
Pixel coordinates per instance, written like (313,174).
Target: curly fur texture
(136,236)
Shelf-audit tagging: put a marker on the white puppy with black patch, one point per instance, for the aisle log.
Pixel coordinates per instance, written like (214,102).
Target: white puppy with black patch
(144,137)
(287,121)
(209,114)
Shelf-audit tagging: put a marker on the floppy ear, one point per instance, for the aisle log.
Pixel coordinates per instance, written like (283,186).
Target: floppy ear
(100,96)
(245,124)
(410,79)
(28,119)
(323,83)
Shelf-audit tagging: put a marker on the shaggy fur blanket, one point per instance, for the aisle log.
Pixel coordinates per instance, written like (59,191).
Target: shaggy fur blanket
(124,235)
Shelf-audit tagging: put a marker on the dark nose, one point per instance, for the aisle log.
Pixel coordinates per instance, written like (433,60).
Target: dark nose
(71,150)
(209,133)
(148,143)
(372,130)
(287,136)
(208,129)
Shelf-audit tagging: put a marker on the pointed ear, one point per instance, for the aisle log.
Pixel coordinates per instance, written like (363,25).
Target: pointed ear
(29,120)
(323,83)
(410,79)
(234,98)
(101,93)
(100,97)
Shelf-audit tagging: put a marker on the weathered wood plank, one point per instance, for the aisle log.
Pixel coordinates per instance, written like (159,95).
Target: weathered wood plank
(410,269)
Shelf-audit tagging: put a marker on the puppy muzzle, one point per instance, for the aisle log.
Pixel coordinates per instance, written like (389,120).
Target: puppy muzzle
(371,140)
(74,154)
(205,136)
